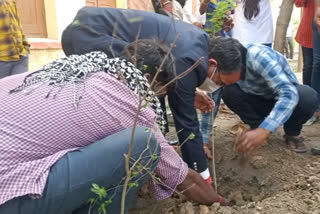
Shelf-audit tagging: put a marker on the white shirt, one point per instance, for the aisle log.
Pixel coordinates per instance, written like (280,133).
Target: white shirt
(178,12)
(259,29)
(200,18)
(188,12)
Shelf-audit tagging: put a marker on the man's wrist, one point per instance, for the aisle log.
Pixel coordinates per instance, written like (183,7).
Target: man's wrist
(264,132)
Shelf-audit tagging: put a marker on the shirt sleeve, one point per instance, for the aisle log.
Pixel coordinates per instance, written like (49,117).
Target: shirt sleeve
(272,68)
(171,169)
(300,3)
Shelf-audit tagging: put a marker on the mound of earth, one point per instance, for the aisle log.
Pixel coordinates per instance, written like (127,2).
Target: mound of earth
(272,180)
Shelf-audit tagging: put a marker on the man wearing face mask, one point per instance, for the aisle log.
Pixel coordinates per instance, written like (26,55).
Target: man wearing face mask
(261,88)
(109,30)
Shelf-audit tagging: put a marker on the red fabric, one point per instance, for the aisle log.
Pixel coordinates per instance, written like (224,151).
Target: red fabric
(304,33)
(209,180)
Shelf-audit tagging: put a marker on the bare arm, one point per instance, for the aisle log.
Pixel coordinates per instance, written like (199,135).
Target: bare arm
(195,188)
(166,4)
(204,6)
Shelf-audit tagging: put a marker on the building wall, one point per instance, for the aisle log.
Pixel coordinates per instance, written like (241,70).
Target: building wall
(60,13)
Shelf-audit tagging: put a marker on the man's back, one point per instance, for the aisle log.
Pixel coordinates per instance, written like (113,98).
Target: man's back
(102,28)
(36,131)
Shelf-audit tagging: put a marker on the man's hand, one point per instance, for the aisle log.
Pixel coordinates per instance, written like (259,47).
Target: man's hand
(317,17)
(198,24)
(203,102)
(250,140)
(227,24)
(195,188)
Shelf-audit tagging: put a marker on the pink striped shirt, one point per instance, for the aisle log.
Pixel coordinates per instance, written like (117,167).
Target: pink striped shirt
(36,132)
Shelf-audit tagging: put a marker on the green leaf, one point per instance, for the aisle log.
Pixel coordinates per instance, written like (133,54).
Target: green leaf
(191,136)
(133,184)
(134,174)
(96,186)
(108,202)
(91,200)
(102,208)
(146,130)
(154,157)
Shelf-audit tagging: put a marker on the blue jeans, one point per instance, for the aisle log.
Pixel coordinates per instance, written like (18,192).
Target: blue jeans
(207,119)
(14,67)
(315,78)
(307,65)
(70,179)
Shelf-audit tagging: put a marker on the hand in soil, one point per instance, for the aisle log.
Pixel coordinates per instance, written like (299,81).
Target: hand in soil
(250,140)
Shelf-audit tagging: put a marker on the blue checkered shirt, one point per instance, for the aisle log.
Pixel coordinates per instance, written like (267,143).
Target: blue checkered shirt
(268,74)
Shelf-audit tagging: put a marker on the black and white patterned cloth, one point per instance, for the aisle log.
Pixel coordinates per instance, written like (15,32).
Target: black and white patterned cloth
(76,68)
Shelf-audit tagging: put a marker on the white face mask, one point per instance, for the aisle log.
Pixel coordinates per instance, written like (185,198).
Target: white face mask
(209,86)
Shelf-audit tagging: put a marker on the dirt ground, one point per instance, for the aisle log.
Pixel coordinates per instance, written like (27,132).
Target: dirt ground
(272,180)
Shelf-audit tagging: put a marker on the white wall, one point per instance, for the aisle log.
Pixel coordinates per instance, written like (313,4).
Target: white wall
(66,11)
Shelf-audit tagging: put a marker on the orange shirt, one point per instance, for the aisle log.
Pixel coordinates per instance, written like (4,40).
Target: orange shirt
(304,33)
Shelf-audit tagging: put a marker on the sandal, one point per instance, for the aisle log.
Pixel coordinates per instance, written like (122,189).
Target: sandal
(295,144)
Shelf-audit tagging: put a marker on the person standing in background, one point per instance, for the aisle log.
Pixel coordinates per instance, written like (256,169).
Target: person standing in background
(315,77)
(289,47)
(14,47)
(145,5)
(304,38)
(253,22)
(317,14)
(198,19)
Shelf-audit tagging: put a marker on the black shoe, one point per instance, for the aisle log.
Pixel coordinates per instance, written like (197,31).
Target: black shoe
(315,151)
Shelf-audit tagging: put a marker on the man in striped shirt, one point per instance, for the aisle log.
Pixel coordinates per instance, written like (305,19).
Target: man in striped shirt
(266,95)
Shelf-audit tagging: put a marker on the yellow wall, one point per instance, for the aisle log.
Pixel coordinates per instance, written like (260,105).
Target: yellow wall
(121,4)
(51,18)
(56,24)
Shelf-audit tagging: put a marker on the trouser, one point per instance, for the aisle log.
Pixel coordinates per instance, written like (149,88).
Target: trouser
(253,109)
(289,47)
(14,67)
(207,119)
(267,44)
(307,54)
(70,179)
(315,78)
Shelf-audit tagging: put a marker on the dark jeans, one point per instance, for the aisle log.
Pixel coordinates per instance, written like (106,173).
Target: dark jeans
(68,186)
(14,67)
(253,109)
(315,79)
(307,65)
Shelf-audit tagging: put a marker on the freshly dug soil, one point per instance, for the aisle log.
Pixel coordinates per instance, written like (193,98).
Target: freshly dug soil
(272,180)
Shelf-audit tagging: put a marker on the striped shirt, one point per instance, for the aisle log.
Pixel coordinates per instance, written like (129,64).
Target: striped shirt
(269,75)
(36,132)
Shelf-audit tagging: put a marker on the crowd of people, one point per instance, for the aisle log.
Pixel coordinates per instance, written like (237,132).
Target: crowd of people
(69,124)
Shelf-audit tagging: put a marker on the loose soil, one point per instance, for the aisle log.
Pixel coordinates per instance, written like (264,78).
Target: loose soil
(272,180)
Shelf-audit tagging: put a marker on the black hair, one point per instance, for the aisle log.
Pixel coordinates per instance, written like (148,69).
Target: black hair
(182,2)
(148,55)
(251,8)
(229,53)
